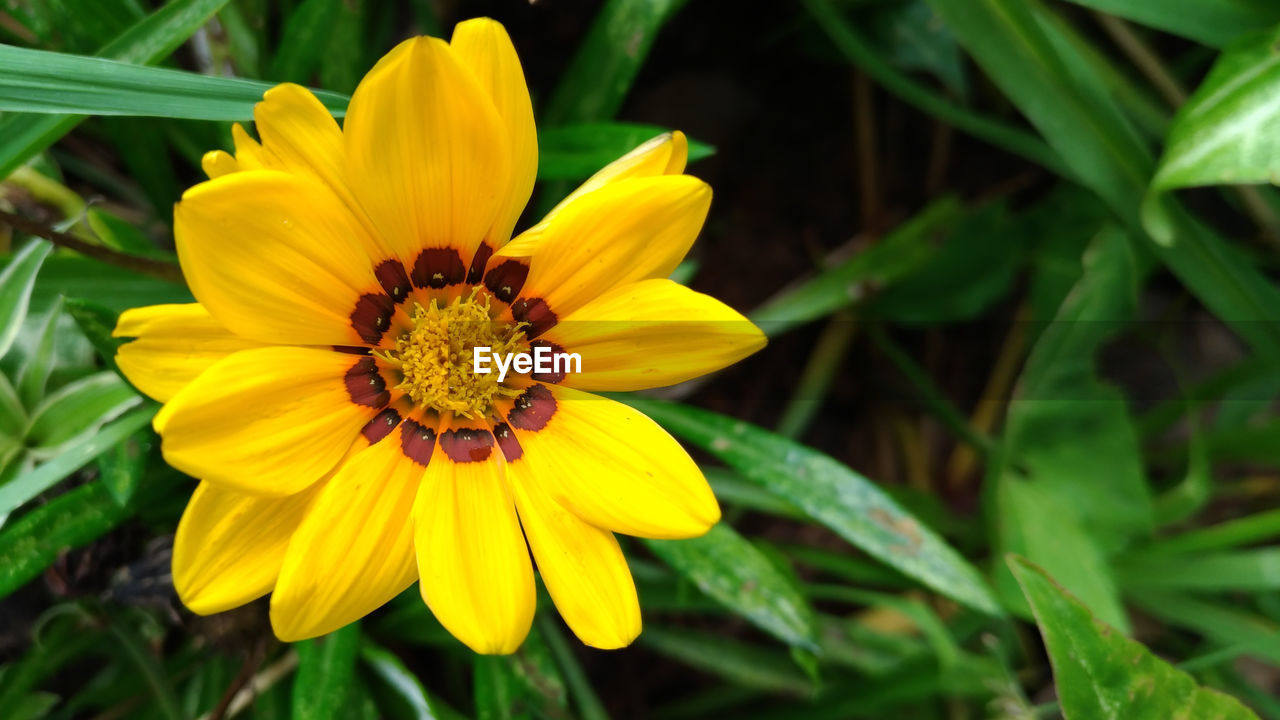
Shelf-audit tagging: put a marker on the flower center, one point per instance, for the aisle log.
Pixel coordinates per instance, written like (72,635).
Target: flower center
(435,357)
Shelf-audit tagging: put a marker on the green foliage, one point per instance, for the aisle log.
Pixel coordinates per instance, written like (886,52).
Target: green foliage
(831,494)
(728,568)
(1037,385)
(1102,675)
(1221,135)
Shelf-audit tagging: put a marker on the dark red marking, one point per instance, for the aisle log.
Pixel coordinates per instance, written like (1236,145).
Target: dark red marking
(507,442)
(554,376)
(466,445)
(506,279)
(380,426)
(438,267)
(393,279)
(417,441)
(351,349)
(372,316)
(483,253)
(365,384)
(533,409)
(535,312)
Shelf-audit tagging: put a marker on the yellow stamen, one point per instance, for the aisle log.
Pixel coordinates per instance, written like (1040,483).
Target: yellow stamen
(435,357)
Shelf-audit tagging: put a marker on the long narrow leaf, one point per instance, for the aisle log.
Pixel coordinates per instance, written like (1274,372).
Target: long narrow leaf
(832,494)
(47,82)
(146,43)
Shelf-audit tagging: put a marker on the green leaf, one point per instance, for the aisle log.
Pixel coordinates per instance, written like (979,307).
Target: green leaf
(850,41)
(1065,425)
(78,408)
(26,486)
(123,466)
(1070,485)
(147,42)
(1102,675)
(47,82)
(16,284)
(305,38)
(342,65)
(575,152)
(1060,92)
(1032,521)
(35,369)
(831,494)
(1223,623)
(728,568)
(899,253)
(526,684)
(326,674)
(973,269)
(601,72)
(114,289)
(97,324)
(1212,23)
(144,663)
(585,699)
(747,665)
(13,417)
(402,683)
(1225,133)
(31,543)
(1245,570)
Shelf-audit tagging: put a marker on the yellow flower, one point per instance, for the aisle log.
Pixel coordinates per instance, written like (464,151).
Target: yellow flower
(322,386)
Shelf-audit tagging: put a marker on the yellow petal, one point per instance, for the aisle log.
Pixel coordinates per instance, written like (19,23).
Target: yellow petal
(427,155)
(651,334)
(300,134)
(217,163)
(473,564)
(250,155)
(277,257)
(484,46)
(229,546)
(354,551)
(626,231)
(665,154)
(581,565)
(611,465)
(175,343)
(269,421)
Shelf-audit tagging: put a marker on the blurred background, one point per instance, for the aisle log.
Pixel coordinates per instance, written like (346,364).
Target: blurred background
(1014,309)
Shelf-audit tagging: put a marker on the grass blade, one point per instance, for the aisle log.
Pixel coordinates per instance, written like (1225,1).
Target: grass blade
(727,567)
(47,82)
(146,43)
(832,494)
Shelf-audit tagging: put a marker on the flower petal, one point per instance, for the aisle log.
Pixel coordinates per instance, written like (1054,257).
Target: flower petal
(665,154)
(483,46)
(275,257)
(651,334)
(473,565)
(300,135)
(611,465)
(268,421)
(175,343)
(581,565)
(217,163)
(626,231)
(354,551)
(229,546)
(426,152)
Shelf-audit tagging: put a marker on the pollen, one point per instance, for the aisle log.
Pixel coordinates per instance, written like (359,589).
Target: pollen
(434,357)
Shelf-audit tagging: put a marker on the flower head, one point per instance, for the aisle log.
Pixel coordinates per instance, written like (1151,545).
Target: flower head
(323,385)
